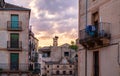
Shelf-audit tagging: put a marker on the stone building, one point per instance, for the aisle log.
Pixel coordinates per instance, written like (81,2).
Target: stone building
(99,52)
(14,39)
(34,66)
(58,60)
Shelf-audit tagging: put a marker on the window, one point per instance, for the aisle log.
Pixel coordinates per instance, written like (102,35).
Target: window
(95,19)
(14,40)
(70,66)
(57,72)
(64,72)
(70,72)
(57,66)
(48,66)
(96,63)
(14,21)
(46,54)
(66,53)
(14,61)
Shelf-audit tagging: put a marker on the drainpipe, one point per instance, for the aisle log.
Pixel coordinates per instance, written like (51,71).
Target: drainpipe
(86,19)
(118,54)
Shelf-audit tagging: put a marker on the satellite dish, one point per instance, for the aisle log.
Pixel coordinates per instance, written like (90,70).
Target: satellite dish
(2,3)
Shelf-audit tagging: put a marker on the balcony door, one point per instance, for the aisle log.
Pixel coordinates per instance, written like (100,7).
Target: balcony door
(14,40)
(14,21)
(95,20)
(96,63)
(14,61)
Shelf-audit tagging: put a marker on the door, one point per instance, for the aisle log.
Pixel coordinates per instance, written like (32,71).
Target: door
(14,21)
(14,61)
(14,40)
(96,63)
(95,21)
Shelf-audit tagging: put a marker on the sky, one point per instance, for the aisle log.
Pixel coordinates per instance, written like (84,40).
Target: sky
(51,18)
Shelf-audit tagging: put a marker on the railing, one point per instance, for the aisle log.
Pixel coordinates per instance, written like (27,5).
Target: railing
(14,25)
(9,67)
(14,45)
(103,30)
(63,74)
(34,56)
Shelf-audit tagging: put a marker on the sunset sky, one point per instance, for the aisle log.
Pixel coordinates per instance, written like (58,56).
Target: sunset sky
(51,18)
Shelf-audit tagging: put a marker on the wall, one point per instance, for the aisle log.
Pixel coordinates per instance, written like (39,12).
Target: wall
(5,35)
(109,11)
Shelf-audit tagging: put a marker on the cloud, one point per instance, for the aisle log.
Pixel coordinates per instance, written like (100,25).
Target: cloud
(52,17)
(54,6)
(56,17)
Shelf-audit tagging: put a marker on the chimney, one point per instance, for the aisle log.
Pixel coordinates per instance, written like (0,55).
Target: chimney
(2,3)
(55,41)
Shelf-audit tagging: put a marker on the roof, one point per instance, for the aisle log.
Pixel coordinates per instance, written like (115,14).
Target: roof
(65,45)
(45,49)
(9,6)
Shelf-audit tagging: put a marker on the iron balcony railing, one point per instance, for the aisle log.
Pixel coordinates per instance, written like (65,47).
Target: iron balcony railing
(63,74)
(14,45)
(14,25)
(14,67)
(34,56)
(102,30)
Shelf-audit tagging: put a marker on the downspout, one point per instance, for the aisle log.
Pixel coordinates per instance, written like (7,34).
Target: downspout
(86,19)
(118,54)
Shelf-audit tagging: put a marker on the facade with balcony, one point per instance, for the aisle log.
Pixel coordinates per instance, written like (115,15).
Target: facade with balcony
(100,38)
(33,53)
(14,39)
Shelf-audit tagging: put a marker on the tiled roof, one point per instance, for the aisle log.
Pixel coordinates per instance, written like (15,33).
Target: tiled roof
(9,6)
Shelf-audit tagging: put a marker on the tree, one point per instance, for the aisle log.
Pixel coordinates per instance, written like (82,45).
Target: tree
(73,46)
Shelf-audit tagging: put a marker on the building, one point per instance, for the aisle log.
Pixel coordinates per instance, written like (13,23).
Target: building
(40,61)
(58,60)
(14,39)
(34,66)
(99,53)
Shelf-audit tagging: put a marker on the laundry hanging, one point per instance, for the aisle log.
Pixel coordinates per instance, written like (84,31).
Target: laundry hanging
(90,30)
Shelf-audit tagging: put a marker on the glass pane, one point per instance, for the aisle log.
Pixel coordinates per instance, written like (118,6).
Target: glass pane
(14,61)
(14,21)
(14,40)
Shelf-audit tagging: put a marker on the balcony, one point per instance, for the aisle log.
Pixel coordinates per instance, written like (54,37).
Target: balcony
(95,39)
(14,45)
(34,56)
(4,67)
(14,26)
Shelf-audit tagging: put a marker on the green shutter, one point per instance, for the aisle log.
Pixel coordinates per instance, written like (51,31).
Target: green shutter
(14,21)
(14,40)
(14,61)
